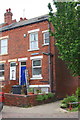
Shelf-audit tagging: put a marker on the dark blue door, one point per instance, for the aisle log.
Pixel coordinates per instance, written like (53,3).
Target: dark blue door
(23,76)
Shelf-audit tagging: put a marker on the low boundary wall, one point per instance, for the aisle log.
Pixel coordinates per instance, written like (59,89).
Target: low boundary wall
(24,100)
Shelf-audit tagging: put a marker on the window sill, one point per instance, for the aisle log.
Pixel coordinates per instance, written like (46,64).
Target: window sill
(36,78)
(3,54)
(33,49)
(45,44)
(2,79)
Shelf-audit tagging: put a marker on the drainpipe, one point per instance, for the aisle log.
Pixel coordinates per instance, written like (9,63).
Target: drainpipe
(50,62)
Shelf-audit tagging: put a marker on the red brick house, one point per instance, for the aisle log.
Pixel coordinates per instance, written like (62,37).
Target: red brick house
(28,55)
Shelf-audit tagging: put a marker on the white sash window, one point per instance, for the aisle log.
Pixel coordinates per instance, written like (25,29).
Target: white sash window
(34,41)
(36,68)
(3,46)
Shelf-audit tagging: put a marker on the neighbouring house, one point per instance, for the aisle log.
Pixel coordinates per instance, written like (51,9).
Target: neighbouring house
(28,55)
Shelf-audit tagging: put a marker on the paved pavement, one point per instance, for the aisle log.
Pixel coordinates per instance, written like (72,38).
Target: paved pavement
(51,110)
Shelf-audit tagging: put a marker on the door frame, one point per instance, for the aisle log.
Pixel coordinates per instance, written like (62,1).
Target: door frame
(20,71)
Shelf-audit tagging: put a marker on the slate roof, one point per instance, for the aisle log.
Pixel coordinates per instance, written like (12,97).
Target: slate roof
(24,23)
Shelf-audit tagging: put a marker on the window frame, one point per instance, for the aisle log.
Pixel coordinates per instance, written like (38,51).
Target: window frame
(33,33)
(44,39)
(6,46)
(2,78)
(40,75)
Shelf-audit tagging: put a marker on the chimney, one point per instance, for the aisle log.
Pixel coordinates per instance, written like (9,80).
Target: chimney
(8,16)
(25,19)
(21,19)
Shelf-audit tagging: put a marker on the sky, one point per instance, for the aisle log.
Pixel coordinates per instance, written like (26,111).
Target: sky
(24,8)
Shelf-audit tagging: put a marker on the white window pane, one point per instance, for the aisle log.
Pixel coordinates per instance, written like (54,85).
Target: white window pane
(44,90)
(47,40)
(3,46)
(32,37)
(3,50)
(46,37)
(37,63)
(34,45)
(33,40)
(36,71)
(4,42)
(36,36)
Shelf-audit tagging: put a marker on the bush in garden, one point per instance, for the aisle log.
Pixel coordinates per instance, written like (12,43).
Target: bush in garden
(68,99)
(78,93)
(50,95)
(45,97)
(79,107)
(40,98)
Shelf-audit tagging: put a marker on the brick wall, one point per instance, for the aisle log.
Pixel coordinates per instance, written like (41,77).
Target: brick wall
(23,100)
(18,47)
(66,84)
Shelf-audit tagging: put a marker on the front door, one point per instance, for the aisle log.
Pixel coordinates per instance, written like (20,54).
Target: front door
(23,73)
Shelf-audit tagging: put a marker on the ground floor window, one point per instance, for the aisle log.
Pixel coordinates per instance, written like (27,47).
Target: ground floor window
(40,90)
(36,68)
(44,90)
(1,71)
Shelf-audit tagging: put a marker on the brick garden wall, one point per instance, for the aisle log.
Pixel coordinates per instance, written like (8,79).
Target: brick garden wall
(24,100)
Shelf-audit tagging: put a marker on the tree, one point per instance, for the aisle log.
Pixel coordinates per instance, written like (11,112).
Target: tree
(67,33)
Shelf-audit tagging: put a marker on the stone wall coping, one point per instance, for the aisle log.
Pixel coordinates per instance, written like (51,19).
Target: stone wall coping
(20,95)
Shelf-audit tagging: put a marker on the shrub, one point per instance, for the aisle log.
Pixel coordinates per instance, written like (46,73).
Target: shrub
(79,107)
(62,105)
(78,93)
(40,98)
(50,95)
(30,89)
(72,98)
(45,97)
(69,99)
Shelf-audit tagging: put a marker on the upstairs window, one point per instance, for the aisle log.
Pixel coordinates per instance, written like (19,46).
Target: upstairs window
(46,37)
(34,41)
(1,71)
(3,46)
